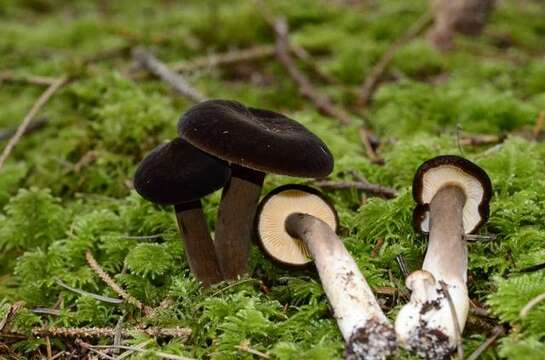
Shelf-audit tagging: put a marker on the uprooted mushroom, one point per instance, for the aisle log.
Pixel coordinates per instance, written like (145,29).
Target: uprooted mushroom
(296,225)
(178,174)
(254,142)
(452,196)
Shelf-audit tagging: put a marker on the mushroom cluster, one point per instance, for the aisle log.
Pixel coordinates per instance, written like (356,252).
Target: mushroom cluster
(452,196)
(225,145)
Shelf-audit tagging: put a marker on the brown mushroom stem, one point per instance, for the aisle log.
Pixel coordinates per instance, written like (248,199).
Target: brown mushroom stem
(362,323)
(446,257)
(236,213)
(199,247)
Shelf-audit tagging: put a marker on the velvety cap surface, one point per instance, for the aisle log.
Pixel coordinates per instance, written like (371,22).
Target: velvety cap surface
(258,139)
(444,170)
(177,172)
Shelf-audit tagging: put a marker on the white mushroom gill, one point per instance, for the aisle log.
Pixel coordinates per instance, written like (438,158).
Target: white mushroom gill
(426,324)
(296,225)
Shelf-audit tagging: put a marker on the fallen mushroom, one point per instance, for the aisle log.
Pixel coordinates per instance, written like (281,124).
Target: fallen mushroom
(296,225)
(178,174)
(452,196)
(255,142)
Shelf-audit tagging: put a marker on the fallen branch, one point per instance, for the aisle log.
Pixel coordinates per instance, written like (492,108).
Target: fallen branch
(112,284)
(107,332)
(373,79)
(42,100)
(375,189)
(159,69)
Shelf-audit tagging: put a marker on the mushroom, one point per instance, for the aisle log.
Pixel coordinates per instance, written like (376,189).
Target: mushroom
(296,225)
(176,173)
(452,196)
(254,142)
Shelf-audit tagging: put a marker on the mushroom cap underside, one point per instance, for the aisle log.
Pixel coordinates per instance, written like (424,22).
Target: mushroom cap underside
(452,170)
(254,138)
(274,209)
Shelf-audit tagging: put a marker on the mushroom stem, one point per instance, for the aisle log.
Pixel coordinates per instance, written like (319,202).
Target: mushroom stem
(199,247)
(446,257)
(426,324)
(362,323)
(236,213)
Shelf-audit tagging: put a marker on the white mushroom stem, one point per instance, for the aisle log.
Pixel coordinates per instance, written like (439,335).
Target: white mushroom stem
(362,323)
(426,324)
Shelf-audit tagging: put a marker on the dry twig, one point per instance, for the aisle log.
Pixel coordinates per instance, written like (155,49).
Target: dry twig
(33,126)
(320,101)
(42,100)
(29,79)
(531,304)
(540,121)
(372,80)
(496,333)
(375,189)
(112,284)
(4,323)
(159,69)
(231,57)
(94,332)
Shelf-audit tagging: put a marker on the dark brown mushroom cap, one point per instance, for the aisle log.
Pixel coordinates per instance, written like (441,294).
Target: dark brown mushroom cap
(177,172)
(258,139)
(452,170)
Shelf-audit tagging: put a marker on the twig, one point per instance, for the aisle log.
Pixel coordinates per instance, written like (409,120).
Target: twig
(376,189)
(34,125)
(483,139)
(5,322)
(371,82)
(532,268)
(29,79)
(88,347)
(402,265)
(159,69)
(48,348)
(94,332)
(42,100)
(322,103)
(112,284)
(245,346)
(540,121)
(457,327)
(526,309)
(496,333)
(231,57)
(458,129)
(377,247)
(92,295)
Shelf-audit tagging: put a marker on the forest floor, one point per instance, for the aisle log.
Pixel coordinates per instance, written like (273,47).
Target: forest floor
(66,195)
